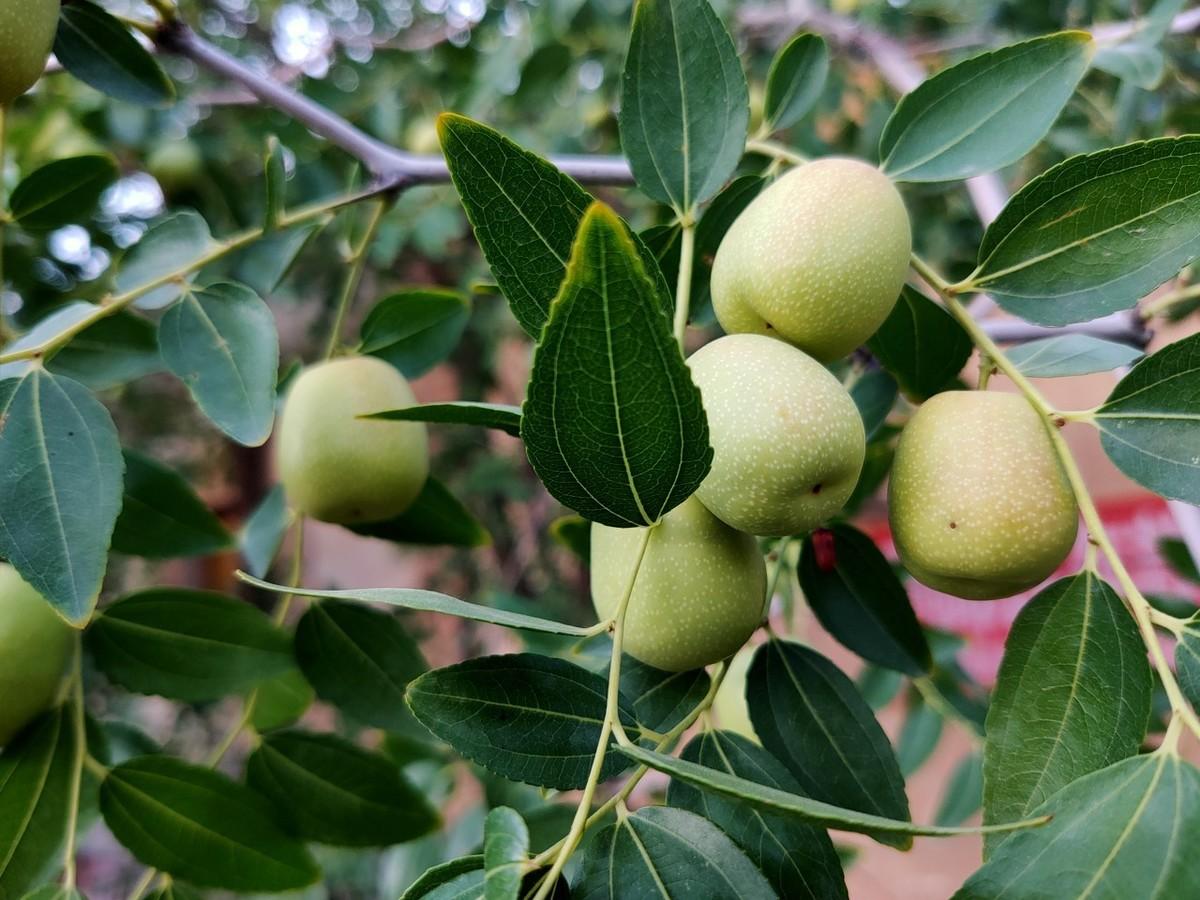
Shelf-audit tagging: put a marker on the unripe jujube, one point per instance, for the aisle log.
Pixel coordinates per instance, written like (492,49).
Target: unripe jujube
(979,504)
(338,468)
(26,36)
(817,259)
(35,648)
(788,442)
(700,590)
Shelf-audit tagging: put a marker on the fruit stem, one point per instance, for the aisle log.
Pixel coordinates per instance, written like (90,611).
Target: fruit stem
(776,151)
(683,286)
(143,884)
(356,263)
(69,867)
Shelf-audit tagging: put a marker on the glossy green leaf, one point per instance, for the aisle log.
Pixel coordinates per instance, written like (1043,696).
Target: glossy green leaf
(661,700)
(430,601)
(187,644)
(919,735)
(1187,663)
(197,825)
(459,412)
(152,263)
(436,518)
(684,103)
(1094,234)
(60,488)
(1150,423)
(795,80)
(221,342)
(62,192)
(505,849)
(281,701)
(1072,696)
(98,50)
(921,345)
(360,660)
(798,859)
(531,718)
(861,602)
(964,792)
(458,879)
(415,330)
(664,852)
(162,517)
(35,793)
(1119,833)
(874,393)
(264,531)
(985,112)
(1071,354)
(334,792)
(812,719)
(614,428)
(116,349)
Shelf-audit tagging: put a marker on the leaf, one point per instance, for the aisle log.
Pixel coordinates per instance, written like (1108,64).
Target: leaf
(460,412)
(531,718)
(861,602)
(263,264)
(360,660)
(430,601)
(574,533)
(921,345)
(152,264)
(765,797)
(263,533)
(1119,833)
(115,350)
(98,50)
(525,213)
(1187,663)
(614,428)
(663,852)
(221,343)
(716,221)
(505,848)
(458,879)
(986,112)
(1150,423)
(54,892)
(798,859)
(684,103)
(334,792)
(60,488)
(198,826)
(49,329)
(874,394)
(813,720)
(436,518)
(1179,559)
(795,81)
(1072,696)
(35,795)
(415,330)
(187,645)
(1133,61)
(161,516)
(919,737)
(1095,233)
(661,700)
(1071,354)
(62,192)
(281,701)
(964,792)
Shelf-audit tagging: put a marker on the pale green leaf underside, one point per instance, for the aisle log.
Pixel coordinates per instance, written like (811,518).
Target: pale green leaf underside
(1071,354)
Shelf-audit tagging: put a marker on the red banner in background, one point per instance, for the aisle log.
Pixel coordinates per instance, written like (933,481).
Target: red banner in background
(1135,526)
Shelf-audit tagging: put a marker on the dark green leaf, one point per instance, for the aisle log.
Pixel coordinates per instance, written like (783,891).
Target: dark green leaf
(115,350)
(879,686)
(281,701)
(333,792)
(663,852)
(661,700)
(530,718)
(170,244)
(874,394)
(574,533)
(505,848)
(60,488)
(710,231)
(187,645)
(614,427)
(62,192)
(921,345)
(435,518)
(684,103)
(810,717)
(360,660)
(861,602)
(263,533)
(798,859)
(1095,233)
(920,735)
(221,342)
(197,825)
(1176,555)
(1187,663)
(795,81)
(98,50)
(162,517)
(415,330)
(1072,696)
(1071,354)
(964,792)
(459,879)
(1150,423)
(460,412)
(986,112)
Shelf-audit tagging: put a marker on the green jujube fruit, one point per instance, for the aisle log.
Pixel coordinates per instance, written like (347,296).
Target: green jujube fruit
(26,37)
(700,591)
(978,501)
(339,468)
(788,442)
(817,259)
(35,649)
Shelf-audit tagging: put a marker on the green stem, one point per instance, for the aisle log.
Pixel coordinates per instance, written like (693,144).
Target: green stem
(143,883)
(1164,303)
(776,151)
(937,701)
(6,333)
(356,263)
(683,287)
(69,868)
